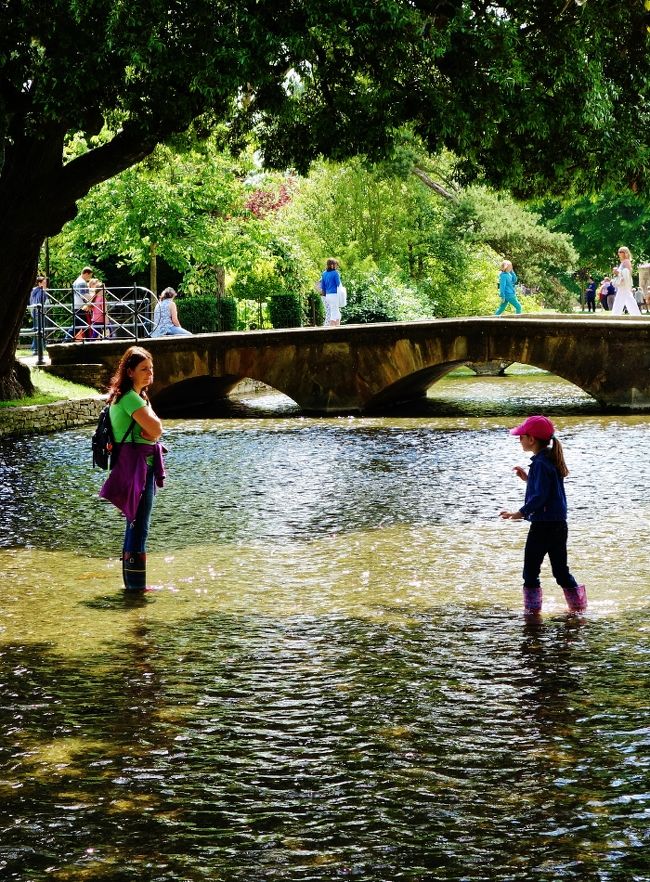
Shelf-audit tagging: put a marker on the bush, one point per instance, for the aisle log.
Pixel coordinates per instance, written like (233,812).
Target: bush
(285,311)
(201,314)
(376,297)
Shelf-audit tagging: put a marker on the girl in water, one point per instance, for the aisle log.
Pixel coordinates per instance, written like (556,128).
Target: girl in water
(546,509)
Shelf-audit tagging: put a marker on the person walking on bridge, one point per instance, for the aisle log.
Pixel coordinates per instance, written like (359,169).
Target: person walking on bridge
(329,283)
(507,289)
(623,284)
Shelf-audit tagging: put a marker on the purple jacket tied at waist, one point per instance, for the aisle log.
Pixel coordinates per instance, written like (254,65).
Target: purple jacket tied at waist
(125,483)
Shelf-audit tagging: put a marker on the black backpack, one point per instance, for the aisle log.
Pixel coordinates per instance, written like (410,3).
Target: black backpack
(104,446)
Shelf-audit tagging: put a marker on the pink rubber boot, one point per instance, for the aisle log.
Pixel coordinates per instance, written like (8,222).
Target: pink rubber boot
(576,598)
(532,600)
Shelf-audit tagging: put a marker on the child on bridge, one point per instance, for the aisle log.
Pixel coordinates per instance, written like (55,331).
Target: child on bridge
(546,509)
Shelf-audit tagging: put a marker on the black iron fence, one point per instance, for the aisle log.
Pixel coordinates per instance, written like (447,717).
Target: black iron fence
(118,313)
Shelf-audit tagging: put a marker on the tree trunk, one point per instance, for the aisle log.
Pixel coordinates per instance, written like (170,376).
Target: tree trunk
(38,195)
(153,268)
(18,266)
(219,290)
(220,272)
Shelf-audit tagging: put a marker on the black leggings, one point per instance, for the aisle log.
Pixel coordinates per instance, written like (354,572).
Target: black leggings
(547,537)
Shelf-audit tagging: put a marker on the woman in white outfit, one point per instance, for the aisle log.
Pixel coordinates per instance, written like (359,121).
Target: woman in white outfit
(623,282)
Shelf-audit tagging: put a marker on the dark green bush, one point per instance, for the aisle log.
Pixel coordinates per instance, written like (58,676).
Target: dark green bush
(228,313)
(200,314)
(285,311)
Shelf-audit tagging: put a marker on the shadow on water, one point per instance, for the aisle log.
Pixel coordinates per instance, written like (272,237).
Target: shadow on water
(445,744)
(123,600)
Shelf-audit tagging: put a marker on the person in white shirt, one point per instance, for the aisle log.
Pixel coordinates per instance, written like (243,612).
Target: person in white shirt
(623,282)
(81,294)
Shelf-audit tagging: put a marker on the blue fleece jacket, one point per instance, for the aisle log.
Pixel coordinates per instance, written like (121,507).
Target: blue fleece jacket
(507,282)
(330,280)
(545,497)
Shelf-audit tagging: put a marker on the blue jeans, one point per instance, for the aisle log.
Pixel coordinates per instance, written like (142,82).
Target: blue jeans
(509,299)
(135,537)
(37,319)
(173,331)
(547,537)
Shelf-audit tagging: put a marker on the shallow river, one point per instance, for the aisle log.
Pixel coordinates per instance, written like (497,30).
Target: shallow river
(334,679)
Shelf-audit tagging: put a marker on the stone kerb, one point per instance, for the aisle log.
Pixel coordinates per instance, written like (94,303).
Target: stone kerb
(40,419)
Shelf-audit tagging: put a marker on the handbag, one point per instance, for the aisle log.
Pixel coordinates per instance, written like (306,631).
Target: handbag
(342,293)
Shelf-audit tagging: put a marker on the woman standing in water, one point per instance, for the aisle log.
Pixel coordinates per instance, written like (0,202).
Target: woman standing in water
(137,466)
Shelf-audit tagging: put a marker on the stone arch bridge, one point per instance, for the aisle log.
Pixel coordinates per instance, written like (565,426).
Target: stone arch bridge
(361,368)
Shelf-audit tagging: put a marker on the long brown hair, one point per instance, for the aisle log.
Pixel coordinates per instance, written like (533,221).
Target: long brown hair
(556,455)
(122,382)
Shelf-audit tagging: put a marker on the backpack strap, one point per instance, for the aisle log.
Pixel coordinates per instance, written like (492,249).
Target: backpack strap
(129,431)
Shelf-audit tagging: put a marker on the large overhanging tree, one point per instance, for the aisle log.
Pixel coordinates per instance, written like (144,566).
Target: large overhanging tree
(534,94)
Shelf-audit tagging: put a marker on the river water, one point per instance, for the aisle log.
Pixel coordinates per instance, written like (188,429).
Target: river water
(334,679)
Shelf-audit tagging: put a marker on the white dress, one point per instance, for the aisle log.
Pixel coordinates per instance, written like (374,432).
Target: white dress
(624,295)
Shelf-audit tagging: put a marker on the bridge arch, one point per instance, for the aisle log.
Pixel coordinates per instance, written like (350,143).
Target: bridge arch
(199,391)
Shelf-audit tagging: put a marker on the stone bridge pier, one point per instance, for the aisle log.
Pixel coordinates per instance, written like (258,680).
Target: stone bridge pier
(361,368)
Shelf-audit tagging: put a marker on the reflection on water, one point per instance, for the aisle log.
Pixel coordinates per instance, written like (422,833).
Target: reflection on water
(334,679)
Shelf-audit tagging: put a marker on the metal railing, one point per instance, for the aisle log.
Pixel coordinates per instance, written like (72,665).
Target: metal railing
(125,313)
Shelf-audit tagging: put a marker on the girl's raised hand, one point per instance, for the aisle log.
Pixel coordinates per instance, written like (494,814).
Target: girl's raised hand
(521,473)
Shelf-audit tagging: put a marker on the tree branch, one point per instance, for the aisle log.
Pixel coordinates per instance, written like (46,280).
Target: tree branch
(433,185)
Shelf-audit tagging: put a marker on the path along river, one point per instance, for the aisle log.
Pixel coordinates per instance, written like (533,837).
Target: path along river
(334,679)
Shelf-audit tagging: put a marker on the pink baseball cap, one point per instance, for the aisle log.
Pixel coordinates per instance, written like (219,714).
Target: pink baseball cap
(537,426)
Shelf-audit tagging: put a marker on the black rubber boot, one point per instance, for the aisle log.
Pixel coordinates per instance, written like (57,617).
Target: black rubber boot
(134,570)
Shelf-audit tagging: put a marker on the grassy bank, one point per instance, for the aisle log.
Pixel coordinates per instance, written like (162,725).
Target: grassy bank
(49,389)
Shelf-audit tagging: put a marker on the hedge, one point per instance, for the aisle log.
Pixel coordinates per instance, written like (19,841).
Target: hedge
(200,314)
(285,310)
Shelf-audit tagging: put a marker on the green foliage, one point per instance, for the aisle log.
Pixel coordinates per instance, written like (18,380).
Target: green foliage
(185,205)
(205,314)
(259,283)
(517,234)
(198,314)
(377,297)
(470,289)
(285,310)
(524,91)
(397,239)
(599,225)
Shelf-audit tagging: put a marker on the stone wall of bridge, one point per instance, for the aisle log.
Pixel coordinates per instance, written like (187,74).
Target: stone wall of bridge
(359,368)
